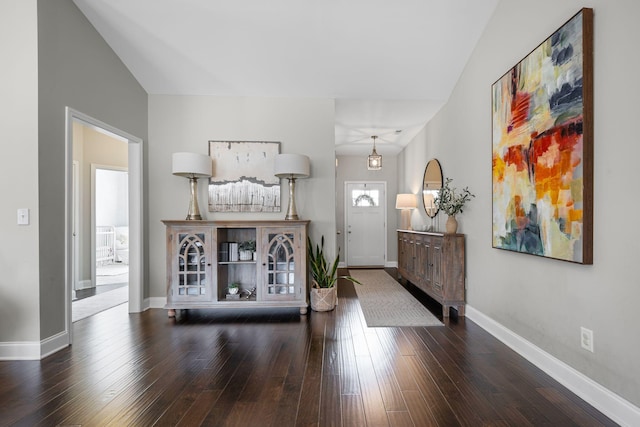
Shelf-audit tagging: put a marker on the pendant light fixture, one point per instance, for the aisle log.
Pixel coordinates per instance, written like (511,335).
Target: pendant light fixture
(374,161)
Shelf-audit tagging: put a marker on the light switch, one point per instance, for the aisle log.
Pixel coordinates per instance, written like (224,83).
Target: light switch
(23,216)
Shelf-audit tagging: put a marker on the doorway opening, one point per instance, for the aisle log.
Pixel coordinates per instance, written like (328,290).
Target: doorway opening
(109,284)
(111,231)
(95,168)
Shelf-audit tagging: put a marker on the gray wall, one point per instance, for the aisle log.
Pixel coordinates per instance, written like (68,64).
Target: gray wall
(542,300)
(354,168)
(76,68)
(187,123)
(19,171)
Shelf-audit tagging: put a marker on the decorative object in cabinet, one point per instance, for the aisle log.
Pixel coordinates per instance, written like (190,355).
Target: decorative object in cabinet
(277,277)
(434,262)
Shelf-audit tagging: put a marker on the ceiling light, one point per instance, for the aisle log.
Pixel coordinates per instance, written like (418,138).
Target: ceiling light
(374,161)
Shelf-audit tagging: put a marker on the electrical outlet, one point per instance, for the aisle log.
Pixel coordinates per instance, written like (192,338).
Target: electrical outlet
(586,339)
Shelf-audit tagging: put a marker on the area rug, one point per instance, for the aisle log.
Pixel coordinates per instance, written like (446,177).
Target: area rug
(385,302)
(112,269)
(86,307)
(111,274)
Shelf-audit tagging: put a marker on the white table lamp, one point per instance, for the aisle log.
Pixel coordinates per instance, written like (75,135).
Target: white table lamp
(406,202)
(192,166)
(291,166)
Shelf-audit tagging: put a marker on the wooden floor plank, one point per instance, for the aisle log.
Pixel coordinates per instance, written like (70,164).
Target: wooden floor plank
(372,402)
(400,419)
(352,410)
(383,364)
(418,409)
(330,402)
(309,408)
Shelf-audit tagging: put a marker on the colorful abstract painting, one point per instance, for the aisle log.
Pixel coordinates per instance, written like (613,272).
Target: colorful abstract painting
(542,112)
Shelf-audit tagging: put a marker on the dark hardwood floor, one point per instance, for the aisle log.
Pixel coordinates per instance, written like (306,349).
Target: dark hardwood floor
(277,368)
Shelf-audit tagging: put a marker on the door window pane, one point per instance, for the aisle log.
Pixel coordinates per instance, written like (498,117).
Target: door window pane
(365,198)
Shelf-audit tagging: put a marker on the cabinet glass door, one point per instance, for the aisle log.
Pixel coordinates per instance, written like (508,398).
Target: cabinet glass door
(192,272)
(282,277)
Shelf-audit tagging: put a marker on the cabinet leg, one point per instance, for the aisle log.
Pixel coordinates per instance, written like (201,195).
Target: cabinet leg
(445,310)
(303,310)
(461,310)
(171,313)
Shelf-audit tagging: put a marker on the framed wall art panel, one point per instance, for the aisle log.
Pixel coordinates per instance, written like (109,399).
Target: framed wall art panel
(542,148)
(243,179)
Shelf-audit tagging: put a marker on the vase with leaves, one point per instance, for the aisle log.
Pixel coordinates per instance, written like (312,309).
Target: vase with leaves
(247,249)
(451,201)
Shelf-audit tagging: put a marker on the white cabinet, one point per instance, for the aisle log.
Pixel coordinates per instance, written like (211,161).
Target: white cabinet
(200,266)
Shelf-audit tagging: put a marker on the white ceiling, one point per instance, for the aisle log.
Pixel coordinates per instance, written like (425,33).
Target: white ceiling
(390,65)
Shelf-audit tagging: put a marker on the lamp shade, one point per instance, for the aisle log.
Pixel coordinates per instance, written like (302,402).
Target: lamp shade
(192,165)
(291,166)
(406,201)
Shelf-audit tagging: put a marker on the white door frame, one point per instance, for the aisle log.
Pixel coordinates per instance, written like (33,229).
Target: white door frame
(136,197)
(346,216)
(75,233)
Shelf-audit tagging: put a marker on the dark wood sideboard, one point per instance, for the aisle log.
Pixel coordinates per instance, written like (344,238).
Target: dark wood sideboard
(434,262)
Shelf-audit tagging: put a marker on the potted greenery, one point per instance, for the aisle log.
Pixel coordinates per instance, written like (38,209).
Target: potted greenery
(246,250)
(324,276)
(233,288)
(451,202)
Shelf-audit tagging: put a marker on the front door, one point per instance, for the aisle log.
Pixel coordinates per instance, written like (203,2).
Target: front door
(366,225)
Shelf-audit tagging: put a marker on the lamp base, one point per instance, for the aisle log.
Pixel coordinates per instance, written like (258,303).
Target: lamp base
(405,216)
(194,209)
(292,213)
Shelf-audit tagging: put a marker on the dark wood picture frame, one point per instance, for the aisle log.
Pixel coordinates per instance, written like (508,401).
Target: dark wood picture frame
(542,148)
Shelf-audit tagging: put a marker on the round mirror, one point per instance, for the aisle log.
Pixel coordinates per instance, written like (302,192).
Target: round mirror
(431,184)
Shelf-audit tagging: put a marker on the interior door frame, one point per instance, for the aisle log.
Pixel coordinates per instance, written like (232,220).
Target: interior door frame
(346,217)
(136,210)
(75,233)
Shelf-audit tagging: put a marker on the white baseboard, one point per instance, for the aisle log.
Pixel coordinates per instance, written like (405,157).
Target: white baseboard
(84,284)
(22,350)
(343,264)
(154,302)
(52,344)
(613,406)
(33,350)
